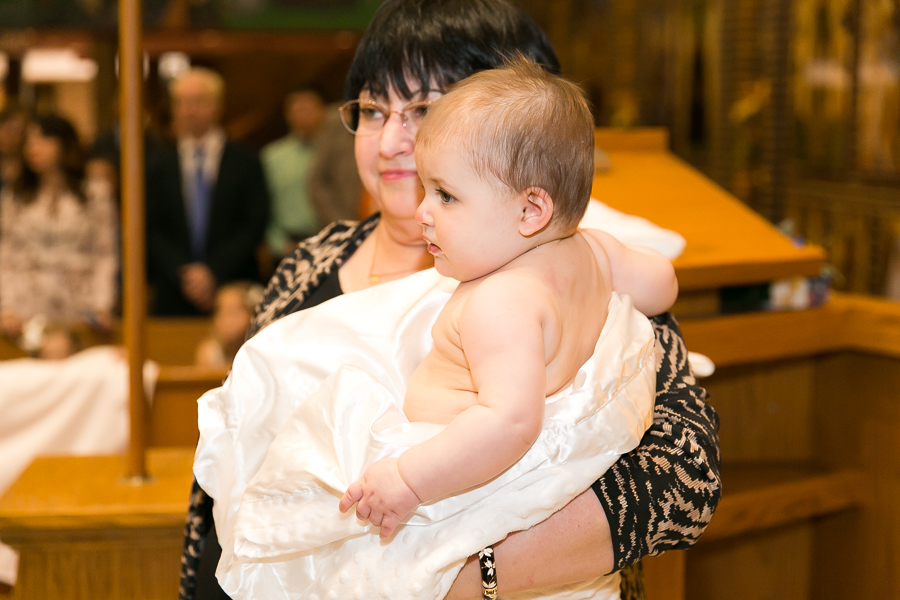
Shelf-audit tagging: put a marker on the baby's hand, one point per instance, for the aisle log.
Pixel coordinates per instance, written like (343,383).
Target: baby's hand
(381,496)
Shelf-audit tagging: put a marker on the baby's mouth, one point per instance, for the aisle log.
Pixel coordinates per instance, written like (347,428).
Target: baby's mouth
(433,249)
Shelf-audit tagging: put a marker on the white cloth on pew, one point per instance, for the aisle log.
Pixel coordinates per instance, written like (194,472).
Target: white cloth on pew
(289,430)
(77,406)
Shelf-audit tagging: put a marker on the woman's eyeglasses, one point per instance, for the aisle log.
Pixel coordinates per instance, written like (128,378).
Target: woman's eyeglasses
(364,117)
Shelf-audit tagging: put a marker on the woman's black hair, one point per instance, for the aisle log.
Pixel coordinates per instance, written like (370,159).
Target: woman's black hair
(71,159)
(437,43)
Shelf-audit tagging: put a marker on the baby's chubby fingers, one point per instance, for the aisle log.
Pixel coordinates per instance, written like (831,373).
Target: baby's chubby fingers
(388,524)
(353,495)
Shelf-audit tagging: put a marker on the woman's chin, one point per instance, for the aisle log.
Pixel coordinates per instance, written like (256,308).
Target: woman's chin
(402,228)
(399,199)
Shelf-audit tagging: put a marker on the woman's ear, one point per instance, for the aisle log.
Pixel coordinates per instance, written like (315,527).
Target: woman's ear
(537,210)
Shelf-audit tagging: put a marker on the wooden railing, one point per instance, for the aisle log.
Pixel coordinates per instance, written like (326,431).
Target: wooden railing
(810,463)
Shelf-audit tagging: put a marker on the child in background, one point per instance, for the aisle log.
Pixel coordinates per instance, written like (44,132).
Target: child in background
(506,160)
(58,342)
(234,306)
(48,339)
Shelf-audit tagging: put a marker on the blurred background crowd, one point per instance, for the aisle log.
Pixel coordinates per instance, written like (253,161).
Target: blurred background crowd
(791,105)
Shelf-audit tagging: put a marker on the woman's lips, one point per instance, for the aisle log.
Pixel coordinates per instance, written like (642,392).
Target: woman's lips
(398,174)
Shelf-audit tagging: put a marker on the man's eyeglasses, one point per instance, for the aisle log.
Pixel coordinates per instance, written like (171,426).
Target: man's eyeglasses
(364,117)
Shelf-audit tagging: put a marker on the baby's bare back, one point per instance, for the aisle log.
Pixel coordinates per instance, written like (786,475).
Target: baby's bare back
(565,288)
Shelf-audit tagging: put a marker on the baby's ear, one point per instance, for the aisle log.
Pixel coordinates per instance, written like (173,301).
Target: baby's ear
(537,210)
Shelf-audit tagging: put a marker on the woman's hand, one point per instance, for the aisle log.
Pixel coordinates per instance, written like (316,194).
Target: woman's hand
(381,496)
(573,544)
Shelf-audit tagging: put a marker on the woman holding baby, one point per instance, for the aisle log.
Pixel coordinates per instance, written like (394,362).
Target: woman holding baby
(658,497)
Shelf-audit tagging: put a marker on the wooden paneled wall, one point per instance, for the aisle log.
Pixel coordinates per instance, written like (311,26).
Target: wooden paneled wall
(819,413)
(855,223)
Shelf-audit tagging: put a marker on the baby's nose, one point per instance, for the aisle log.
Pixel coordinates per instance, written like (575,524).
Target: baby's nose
(423,216)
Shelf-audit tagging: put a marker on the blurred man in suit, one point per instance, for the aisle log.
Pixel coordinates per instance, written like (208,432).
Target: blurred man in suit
(207,203)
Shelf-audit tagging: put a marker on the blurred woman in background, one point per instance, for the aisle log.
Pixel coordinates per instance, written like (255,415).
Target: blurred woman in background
(13,120)
(57,239)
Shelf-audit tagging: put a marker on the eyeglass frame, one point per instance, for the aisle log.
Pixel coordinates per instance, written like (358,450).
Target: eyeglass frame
(384,110)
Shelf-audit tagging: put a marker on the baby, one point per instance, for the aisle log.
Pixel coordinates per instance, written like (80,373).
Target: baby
(506,160)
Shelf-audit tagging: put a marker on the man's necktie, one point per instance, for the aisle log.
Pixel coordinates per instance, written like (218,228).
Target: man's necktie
(200,208)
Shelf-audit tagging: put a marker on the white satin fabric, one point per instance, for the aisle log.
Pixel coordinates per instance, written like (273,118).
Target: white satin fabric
(318,395)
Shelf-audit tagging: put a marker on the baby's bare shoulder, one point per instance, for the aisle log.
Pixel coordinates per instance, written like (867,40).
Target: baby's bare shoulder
(512,294)
(598,240)
(511,284)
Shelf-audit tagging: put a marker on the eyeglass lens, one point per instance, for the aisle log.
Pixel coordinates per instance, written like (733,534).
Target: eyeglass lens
(364,118)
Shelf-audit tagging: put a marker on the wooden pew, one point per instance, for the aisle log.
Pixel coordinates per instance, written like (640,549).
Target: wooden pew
(107,537)
(173,413)
(170,341)
(174,340)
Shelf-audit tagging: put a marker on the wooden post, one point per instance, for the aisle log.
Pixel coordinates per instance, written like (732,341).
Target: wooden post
(131,120)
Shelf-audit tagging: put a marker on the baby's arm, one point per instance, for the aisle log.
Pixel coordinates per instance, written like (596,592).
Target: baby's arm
(501,330)
(644,274)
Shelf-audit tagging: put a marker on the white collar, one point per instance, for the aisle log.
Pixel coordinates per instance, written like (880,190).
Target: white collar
(214,138)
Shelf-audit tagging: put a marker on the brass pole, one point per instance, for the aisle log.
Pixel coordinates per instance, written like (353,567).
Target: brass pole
(131,121)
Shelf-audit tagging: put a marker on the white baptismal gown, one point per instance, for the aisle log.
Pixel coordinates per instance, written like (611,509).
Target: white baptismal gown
(317,396)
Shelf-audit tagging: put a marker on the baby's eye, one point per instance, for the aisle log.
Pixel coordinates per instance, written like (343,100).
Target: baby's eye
(445,197)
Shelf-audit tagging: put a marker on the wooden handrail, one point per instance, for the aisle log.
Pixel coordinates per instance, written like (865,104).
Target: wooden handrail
(845,322)
(764,500)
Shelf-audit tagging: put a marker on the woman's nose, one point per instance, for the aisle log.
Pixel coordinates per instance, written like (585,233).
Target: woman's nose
(395,138)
